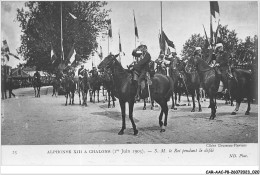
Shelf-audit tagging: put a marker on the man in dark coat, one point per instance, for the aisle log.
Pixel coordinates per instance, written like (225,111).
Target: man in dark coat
(141,67)
(222,62)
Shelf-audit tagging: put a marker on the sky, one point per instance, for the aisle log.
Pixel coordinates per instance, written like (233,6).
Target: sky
(180,20)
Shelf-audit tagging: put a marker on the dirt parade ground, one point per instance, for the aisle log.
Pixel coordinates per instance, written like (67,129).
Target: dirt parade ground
(27,120)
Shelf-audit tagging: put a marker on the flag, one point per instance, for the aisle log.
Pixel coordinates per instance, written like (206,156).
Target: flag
(120,46)
(109,28)
(53,55)
(73,16)
(211,34)
(169,42)
(206,45)
(136,31)
(72,54)
(214,8)
(5,47)
(216,34)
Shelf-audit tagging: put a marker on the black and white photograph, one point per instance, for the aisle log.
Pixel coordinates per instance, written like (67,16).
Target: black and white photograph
(130,83)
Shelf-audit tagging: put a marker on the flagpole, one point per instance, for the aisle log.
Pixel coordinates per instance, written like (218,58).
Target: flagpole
(108,41)
(62,53)
(161,24)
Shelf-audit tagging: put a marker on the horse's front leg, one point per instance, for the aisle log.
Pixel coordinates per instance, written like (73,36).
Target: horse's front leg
(165,111)
(213,107)
(108,99)
(70,98)
(79,96)
(98,95)
(66,96)
(173,105)
(238,102)
(131,108)
(122,105)
(198,99)
(193,100)
(144,108)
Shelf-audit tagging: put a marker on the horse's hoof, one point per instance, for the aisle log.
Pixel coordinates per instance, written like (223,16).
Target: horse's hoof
(144,108)
(174,108)
(193,110)
(177,105)
(200,110)
(151,108)
(247,113)
(212,117)
(65,104)
(135,132)
(233,113)
(189,104)
(162,130)
(121,132)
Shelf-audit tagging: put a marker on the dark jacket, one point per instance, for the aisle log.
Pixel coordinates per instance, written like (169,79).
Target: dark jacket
(143,64)
(222,58)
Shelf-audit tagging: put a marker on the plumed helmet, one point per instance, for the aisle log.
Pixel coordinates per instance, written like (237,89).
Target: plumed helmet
(219,45)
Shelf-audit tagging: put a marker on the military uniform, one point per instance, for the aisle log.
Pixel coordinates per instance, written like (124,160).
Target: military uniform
(223,62)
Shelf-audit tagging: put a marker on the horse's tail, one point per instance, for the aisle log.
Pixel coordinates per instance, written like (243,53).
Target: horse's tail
(170,91)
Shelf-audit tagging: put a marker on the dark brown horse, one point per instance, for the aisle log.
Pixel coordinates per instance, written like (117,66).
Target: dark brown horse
(193,84)
(56,86)
(108,84)
(125,91)
(69,87)
(36,83)
(95,83)
(209,80)
(180,83)
(84,87)
(240,86)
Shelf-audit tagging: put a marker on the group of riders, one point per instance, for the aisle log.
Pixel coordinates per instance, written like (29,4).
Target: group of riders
(141,67)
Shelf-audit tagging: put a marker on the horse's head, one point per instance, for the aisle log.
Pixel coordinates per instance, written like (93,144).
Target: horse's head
(108,62)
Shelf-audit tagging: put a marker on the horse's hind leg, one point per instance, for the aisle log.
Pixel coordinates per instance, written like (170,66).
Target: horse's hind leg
(98,95)
(165,111)
(80,97)
(173,105)
(193,100)
(108,106)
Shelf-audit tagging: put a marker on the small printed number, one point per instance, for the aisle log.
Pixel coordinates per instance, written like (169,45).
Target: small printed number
(14,152)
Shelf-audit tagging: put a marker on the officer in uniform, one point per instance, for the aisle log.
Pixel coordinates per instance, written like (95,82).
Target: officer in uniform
(222,63)
(37,74)
(94,72)
(141,67)
(81,72)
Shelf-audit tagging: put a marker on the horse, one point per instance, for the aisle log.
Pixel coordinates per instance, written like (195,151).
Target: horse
(69,87)
(84,87)
(240,86)
(95,83)
(209,79)
(179,83)
(125,91)
(36,83)
(55,85)
(108,84)
(193,85)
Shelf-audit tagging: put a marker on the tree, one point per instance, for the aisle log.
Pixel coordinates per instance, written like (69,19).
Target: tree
(82,21)
(225,36)
(194,41)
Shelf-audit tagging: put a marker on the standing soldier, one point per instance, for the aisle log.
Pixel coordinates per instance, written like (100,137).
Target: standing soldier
(141,67)
(10,86)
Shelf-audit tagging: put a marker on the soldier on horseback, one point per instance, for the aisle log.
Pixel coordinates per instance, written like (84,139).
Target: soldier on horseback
(222,63)
(37,75)
(141,67)
(94,72)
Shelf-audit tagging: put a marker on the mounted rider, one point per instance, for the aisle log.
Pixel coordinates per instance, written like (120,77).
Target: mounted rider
(94,72)
(141,67)
(37,75)
(222,63)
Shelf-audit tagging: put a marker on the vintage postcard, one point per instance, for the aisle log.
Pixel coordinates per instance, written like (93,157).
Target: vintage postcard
(130,83)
